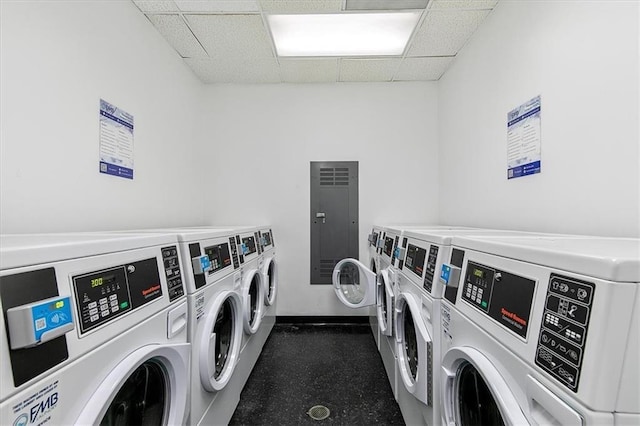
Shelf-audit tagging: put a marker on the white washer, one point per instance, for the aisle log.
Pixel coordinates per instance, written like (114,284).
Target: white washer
(543,331)
(269,270)
(96,330)
(213,281)
(417,318)
(255,335)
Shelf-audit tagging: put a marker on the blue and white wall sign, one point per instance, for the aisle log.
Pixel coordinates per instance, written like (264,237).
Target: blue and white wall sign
(116,141)
(523,139)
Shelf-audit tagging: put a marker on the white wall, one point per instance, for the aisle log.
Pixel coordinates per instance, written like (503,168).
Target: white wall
(57,60)
(263,137)
(582,58)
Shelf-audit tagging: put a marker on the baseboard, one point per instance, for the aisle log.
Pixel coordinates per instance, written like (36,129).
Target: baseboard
(290,319)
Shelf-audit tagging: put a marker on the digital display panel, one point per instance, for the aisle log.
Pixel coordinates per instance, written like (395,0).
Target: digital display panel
(250,244)
(219,255)
(414,260)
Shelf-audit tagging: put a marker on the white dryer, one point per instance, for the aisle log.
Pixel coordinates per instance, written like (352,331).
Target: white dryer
(269,270)
(544,330)
(94,330)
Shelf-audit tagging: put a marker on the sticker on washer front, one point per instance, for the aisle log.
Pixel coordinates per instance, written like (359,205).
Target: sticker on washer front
(199,306)
(37,407)
(447,338)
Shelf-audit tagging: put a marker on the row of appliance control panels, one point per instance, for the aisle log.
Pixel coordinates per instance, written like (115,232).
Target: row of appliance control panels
(39,315)
(507,298)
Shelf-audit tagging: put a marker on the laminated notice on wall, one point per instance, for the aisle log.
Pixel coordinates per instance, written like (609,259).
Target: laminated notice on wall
(116,141)
(523,139)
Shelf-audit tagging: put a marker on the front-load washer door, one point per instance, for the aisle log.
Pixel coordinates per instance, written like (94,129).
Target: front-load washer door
(384,308)
(414,348)
(253,300)
(474,392)
(219,340)
(148,387)
(354,283)
(270,276)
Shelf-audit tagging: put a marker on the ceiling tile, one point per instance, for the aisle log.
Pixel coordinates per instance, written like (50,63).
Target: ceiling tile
(422,69)
(232,36)
(443,33)
(152,6)
(463,4)
(301,6)
(309,70)
(235,70)
(179,36)
(368,69)
(221,6)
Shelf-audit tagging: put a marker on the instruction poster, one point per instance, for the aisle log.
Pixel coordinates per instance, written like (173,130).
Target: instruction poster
(523,139)
(116,141)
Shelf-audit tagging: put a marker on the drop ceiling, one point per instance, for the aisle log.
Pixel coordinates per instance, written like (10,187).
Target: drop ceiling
(229,41)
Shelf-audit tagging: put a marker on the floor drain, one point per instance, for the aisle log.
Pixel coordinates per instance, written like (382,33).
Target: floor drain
(318,412)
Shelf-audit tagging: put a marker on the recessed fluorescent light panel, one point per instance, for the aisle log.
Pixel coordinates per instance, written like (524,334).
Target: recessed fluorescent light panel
(345,34)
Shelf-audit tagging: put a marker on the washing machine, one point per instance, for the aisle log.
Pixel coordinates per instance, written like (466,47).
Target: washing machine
(268,266)
(94,330)
(215,319)
(544,330)
(255,334)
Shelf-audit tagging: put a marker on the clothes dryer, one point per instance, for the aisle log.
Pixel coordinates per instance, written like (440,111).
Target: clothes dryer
(94,330)
(543,331)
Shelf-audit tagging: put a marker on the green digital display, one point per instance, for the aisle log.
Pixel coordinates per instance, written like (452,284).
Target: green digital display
(478,273)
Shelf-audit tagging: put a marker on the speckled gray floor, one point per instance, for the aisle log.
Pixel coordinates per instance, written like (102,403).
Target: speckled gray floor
(334,365)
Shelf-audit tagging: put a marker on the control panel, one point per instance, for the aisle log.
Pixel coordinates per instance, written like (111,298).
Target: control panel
(373,239)
(388,246)
(104,295)
(430,268)
(393,252)
(219,257)
(172,272)
(248,245)
(234,252)
(266,239)
(257,242)
(414,259)
(565,323)
(503,296)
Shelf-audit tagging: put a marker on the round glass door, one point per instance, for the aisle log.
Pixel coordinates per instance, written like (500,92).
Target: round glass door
(142,399)
(223,330)
(475,405)
(350,283)
(410,342)
(354,284)
(254,303)
(271,279)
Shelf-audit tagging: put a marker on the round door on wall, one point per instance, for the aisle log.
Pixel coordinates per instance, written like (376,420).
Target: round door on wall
(253,301)
(149,387)
(385,303)
(354,284)
(474,392)
(271,281)
(220,338)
